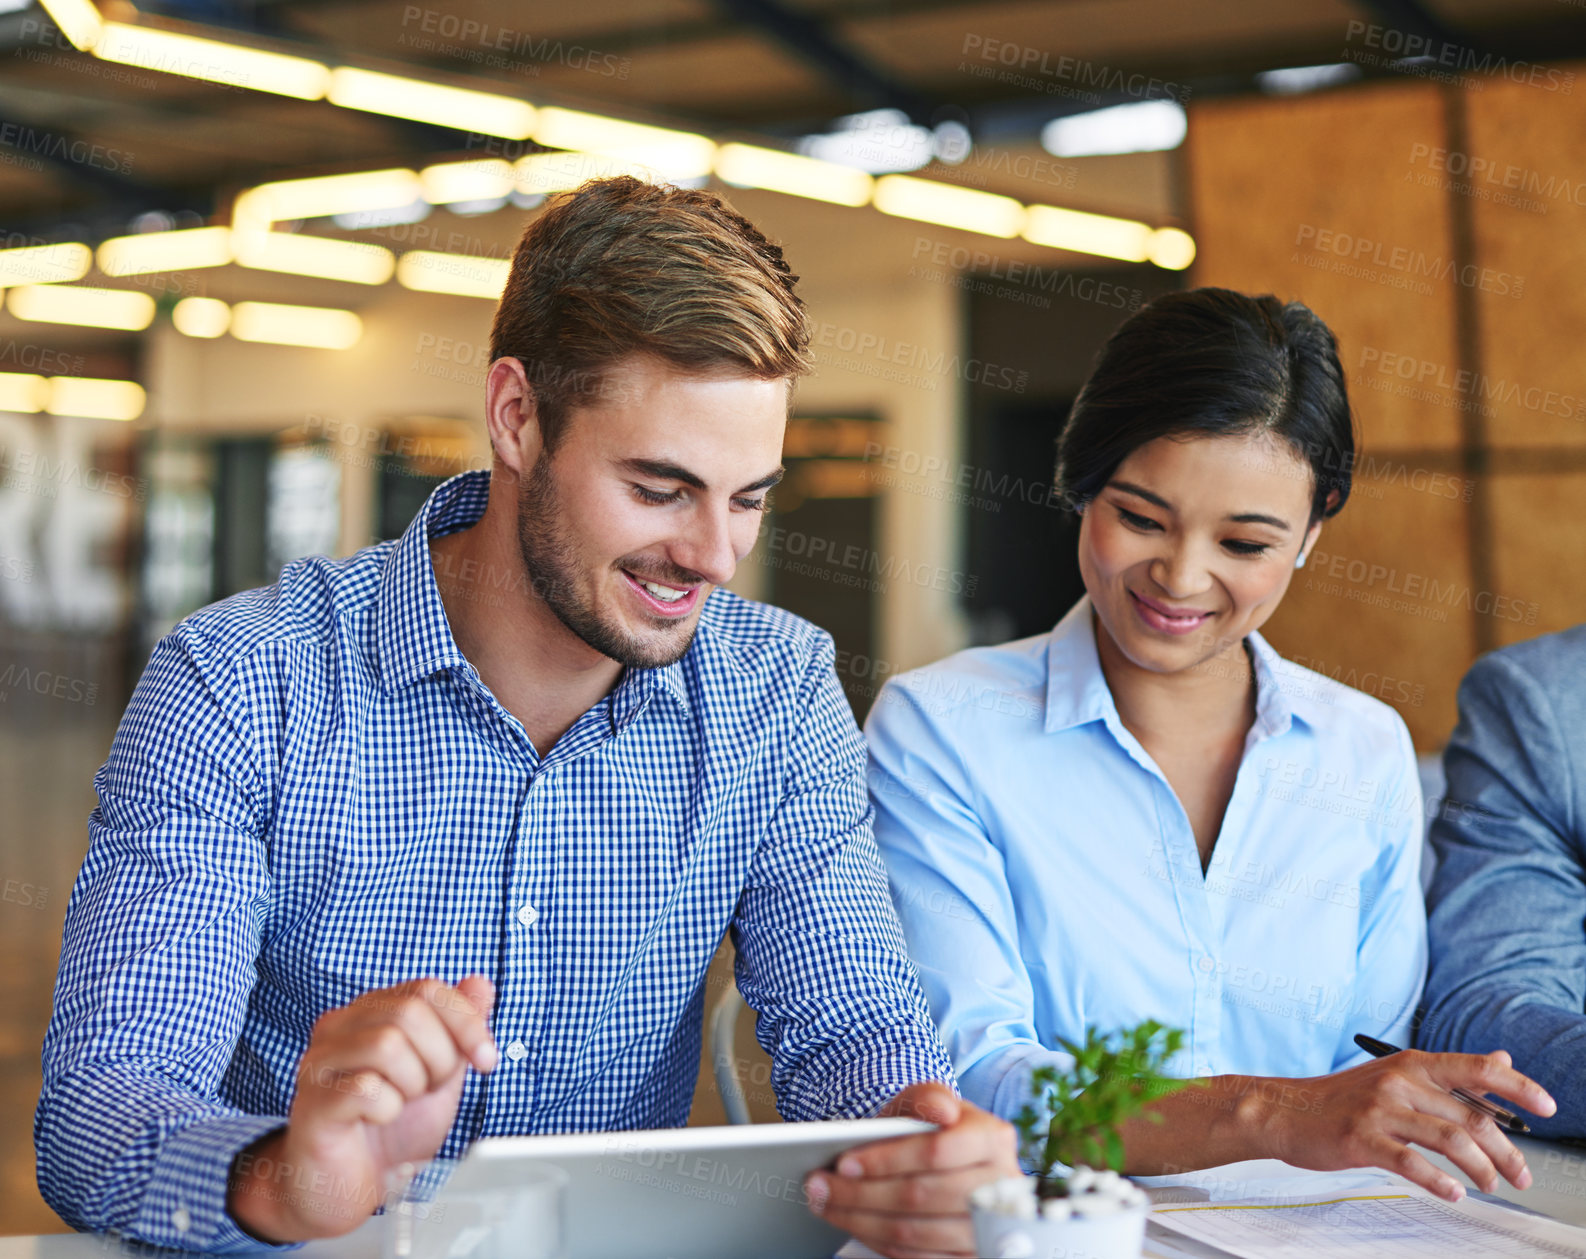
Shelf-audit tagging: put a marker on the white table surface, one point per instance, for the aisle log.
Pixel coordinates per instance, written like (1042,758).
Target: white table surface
(1558,1189)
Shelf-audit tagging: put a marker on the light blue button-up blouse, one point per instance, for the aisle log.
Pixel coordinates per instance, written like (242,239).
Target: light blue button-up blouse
(1048,879)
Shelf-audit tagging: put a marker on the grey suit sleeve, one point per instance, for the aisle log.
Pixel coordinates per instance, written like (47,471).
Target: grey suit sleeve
(1508,903)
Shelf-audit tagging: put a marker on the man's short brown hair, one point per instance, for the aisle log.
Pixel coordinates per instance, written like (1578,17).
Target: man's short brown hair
(622,267)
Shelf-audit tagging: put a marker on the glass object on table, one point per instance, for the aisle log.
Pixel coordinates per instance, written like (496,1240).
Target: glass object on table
(436,1211)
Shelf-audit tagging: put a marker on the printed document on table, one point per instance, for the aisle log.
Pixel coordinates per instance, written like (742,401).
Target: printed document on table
(1385,1223)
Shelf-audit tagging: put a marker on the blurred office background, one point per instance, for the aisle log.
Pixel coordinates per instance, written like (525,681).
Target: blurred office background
(169,434)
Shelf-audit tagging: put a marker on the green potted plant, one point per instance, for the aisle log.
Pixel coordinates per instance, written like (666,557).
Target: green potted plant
(1075,1202)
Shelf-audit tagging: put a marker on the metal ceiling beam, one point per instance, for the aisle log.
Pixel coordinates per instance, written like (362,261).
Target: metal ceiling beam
(1414,18)
(813,43)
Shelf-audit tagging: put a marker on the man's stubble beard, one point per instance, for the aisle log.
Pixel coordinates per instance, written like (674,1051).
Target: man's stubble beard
(550,560)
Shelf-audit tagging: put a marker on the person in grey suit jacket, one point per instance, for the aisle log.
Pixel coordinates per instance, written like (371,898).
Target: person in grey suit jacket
(1507,905)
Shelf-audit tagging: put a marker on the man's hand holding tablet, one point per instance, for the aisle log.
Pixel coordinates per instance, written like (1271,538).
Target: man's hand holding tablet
(910,1196)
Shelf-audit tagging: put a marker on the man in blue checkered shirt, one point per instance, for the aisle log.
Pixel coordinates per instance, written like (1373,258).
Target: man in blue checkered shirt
(436,842)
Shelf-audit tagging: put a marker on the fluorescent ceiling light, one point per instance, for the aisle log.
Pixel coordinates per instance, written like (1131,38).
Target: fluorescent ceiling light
(318,256)
(45,264)
(1172,249)
(456,107)
(235,65)
(1098,234)
(878,141)
(14,6)
(542,173)
(96,399)
(206,317)
(670,154)
(485,180)
(22,392)
(746,166)
(394,216)
(86,307)
(317,327)
(325,195)
(1146,127)
(462,274)
(932,202)
(78,19)
(1296,79)
(183,250)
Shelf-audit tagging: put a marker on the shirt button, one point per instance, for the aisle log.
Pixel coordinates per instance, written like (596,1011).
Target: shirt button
(517,1051)
(181,1221)
(1208,965)
(528,915)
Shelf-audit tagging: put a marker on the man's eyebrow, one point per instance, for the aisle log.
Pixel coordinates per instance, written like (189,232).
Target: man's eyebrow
(665,470)
(1243,518)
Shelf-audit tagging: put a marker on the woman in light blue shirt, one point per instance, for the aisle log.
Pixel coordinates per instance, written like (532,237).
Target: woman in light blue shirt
(1148,813)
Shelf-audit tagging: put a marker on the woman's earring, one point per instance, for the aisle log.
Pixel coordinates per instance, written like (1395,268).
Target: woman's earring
(1299,561)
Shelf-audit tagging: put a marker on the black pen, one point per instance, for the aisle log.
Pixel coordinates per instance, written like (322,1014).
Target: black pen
(1505,1119)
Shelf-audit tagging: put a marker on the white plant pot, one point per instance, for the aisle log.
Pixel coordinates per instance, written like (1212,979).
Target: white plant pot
(1119,1235)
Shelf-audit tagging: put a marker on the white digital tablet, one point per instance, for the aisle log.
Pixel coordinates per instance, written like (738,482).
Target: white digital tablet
(688,1193)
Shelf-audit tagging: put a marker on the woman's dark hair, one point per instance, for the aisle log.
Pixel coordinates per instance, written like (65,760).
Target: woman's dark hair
(1212,362)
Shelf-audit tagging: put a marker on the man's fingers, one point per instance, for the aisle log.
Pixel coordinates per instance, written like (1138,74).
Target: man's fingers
(930,1193)
(456,1010)
(357,1096)
(978,1139)
(942,1150)
(930,1100)
(1490,1073)
(904,1235)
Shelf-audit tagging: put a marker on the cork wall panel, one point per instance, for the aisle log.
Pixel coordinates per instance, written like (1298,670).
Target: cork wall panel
(1380,605)
(1317,198)
(1521,171)
(1538,553)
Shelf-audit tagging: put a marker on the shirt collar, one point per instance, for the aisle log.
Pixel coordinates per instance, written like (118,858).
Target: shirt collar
(415,639)
(413,636)
(1077,690)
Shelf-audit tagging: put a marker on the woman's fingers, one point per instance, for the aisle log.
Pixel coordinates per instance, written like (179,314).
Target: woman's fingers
(1394,1156)
(1454,1140)
(1488,1073)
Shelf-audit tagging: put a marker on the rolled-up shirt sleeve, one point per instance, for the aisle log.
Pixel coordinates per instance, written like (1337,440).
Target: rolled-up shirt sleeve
(157,962)
(951,891)
(820,956)
(1508,899)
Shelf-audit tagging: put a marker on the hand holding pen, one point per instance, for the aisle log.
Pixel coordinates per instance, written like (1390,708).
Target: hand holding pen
(1505,1119)
(1378,1113)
